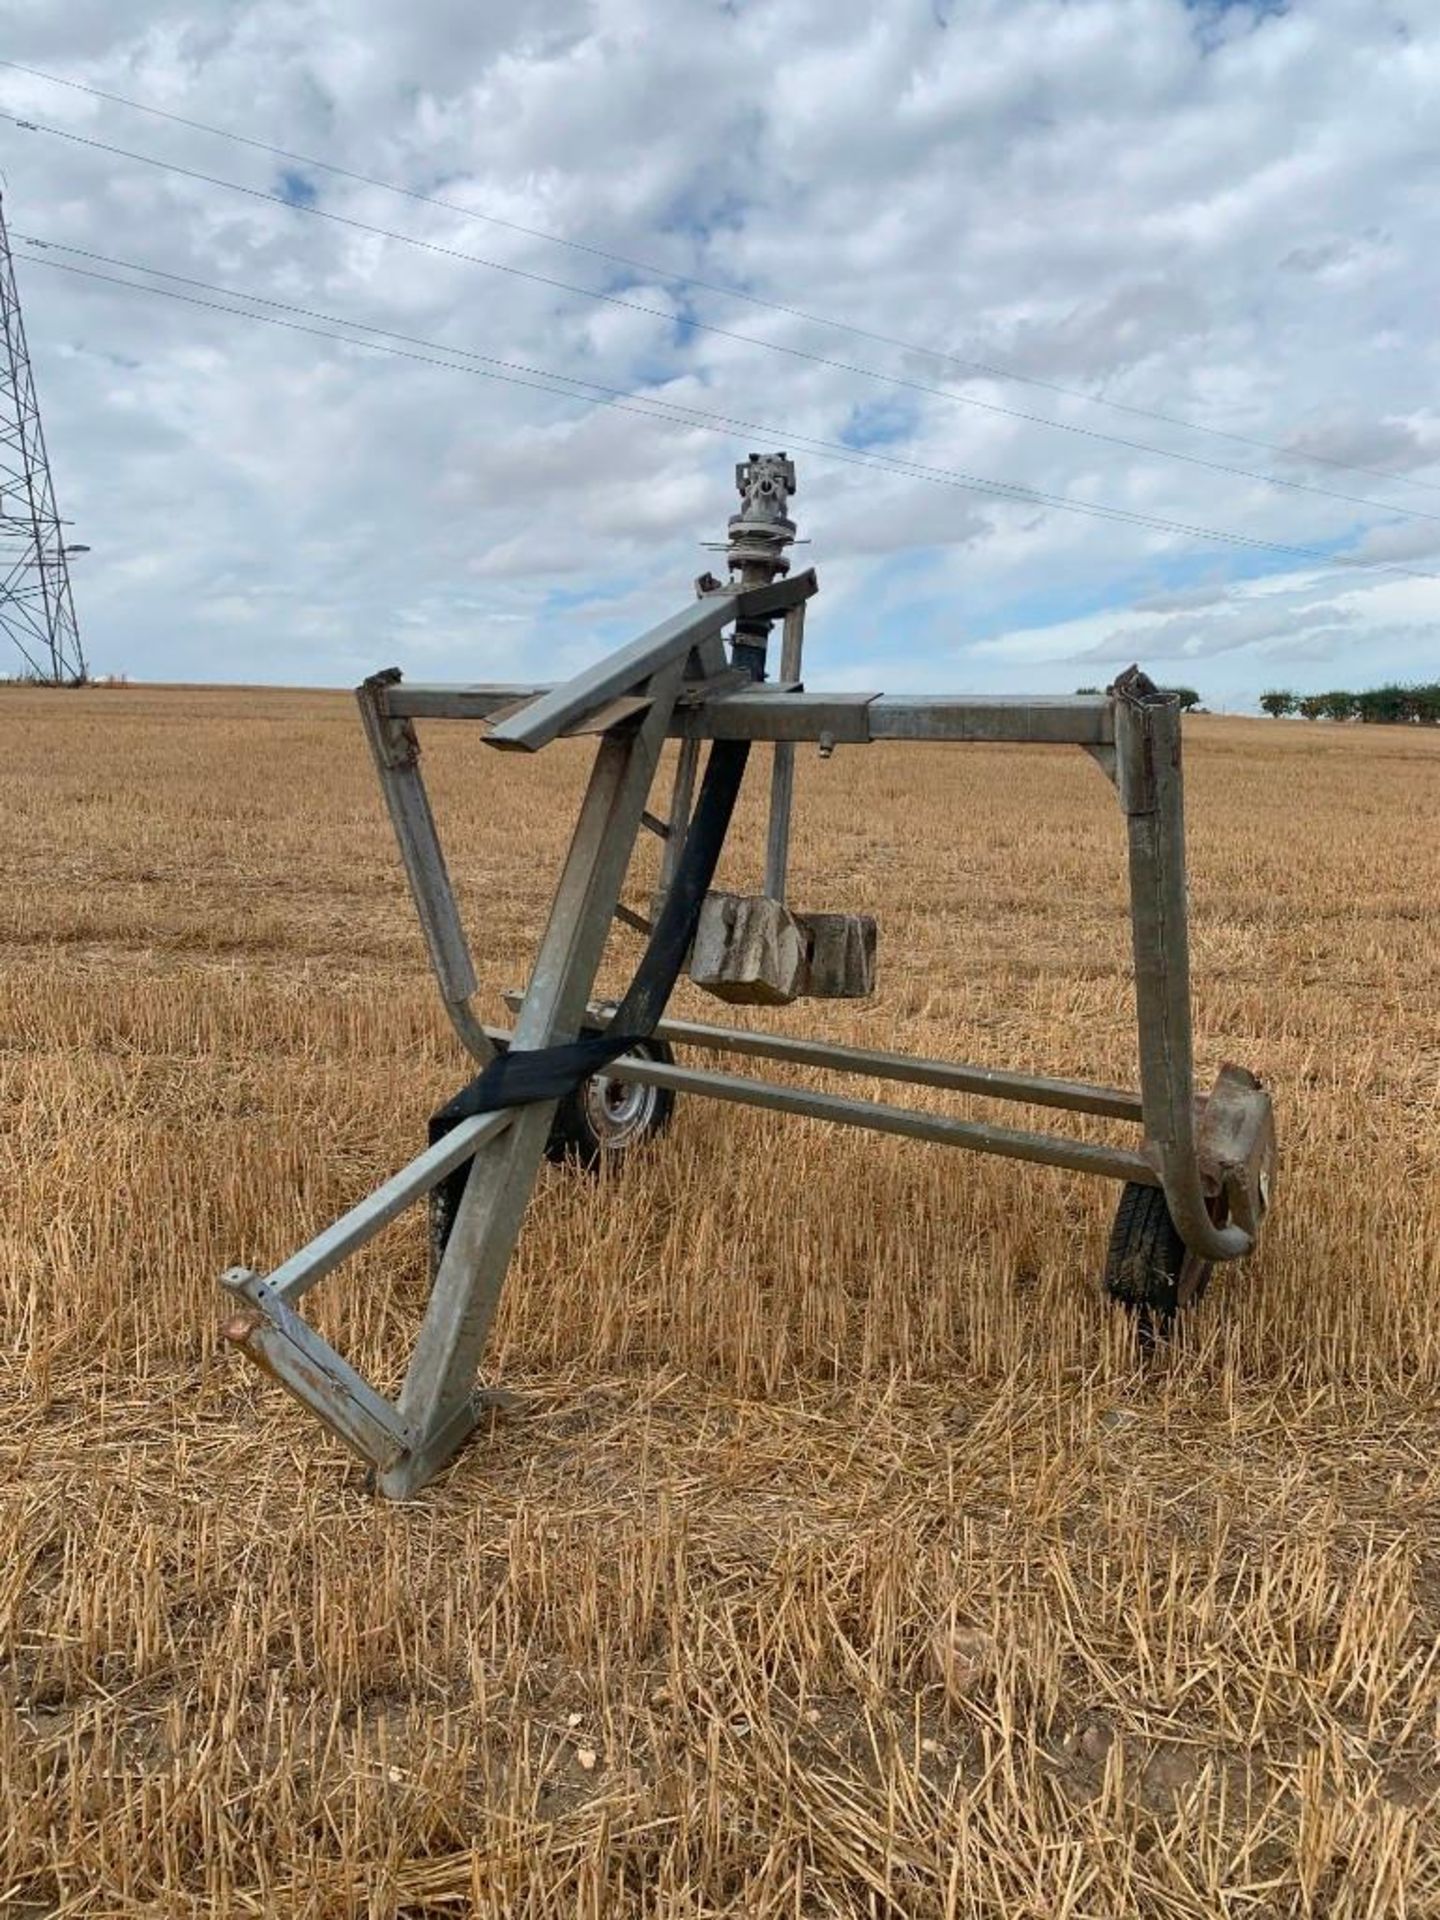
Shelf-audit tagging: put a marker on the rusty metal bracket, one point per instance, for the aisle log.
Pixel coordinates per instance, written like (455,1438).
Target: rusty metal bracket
(1236,1145)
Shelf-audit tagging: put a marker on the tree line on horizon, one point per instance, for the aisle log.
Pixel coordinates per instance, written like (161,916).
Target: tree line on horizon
(1416,704)
(1393,705)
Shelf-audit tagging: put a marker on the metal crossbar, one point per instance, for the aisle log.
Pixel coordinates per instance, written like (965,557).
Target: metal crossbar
(1011,1143)
(850,719)
(1078,1096)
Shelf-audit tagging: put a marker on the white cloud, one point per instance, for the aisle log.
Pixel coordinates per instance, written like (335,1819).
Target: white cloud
(1219,212)
(1307,623)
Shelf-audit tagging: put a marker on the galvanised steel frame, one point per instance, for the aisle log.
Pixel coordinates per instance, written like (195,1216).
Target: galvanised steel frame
(1212,1158)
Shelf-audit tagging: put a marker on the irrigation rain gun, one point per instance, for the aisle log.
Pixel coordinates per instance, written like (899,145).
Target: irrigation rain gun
(582,1081)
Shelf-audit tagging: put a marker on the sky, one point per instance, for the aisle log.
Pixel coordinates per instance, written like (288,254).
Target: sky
(1167,261)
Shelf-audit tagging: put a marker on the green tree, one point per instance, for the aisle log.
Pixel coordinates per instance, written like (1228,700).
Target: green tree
(1390,705)
(1188,697)
(1420,703)
(1278,702)
(1383,706)
(1089,689)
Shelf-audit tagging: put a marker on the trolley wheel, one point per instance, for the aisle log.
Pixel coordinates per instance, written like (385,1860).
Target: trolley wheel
(1148,1267)
(606,1116)
(598,1123)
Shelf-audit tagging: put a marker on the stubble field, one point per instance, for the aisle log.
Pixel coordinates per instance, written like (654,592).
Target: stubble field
(841,1554)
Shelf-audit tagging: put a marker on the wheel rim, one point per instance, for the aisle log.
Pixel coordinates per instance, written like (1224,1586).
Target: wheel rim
(620,1112)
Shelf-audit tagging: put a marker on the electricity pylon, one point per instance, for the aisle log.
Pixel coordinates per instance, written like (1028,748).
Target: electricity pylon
(37,609)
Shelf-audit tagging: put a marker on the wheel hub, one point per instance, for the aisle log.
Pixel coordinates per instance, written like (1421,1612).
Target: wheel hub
(618,1110)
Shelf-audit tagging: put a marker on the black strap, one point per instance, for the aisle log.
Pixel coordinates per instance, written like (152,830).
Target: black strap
(520,1079)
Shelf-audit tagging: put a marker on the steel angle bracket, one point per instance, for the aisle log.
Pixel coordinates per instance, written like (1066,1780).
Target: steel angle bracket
(281,1343)
(689,640)
(269,1331)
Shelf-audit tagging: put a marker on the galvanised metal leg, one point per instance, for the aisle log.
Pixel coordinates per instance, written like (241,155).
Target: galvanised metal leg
(396,753)
(436,1403)
(1147,742)
(782,773)
(682,796)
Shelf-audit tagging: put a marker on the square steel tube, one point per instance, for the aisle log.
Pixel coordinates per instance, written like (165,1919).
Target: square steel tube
(457,700)
(778,713)
(1082,720)
(296,1276)
(436,1402)
(1151,787)
(625,670)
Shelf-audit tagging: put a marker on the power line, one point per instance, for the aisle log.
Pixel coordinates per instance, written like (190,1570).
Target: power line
(979,368)
(519,374)
(725,333)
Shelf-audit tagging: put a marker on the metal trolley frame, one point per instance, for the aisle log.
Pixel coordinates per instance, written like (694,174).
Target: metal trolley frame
(1212,1157)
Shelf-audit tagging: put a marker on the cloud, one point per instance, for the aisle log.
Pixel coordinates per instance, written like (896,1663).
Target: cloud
(1268,624)
(1408,540)
(1166,207)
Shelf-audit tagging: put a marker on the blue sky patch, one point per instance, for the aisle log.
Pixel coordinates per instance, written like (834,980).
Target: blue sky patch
(880,423)
(295,188)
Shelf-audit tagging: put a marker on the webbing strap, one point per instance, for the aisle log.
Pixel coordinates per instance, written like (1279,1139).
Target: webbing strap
(524,1078)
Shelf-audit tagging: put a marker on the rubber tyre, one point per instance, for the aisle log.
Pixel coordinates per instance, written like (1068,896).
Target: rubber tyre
(578,1138)
(1148,1267)
(604,1118)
